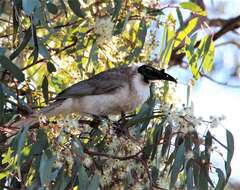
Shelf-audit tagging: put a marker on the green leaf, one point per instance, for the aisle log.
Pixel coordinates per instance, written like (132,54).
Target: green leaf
(26,38)
(153,11)
(193,7)
(21,142)
(51,67)
(202,181)
(82,178)
(2,6)
(2,103)
(41,142)
(190,178)
(120,25)
(166,140)
(52,8)
(62,180)
(156,137)
(142,31)
(15,24)
(221,180)
(208,141)
(4,174)
(230,145)
(35,42)
(10,66)
(118,5)
(93,55)
(180,18)
(30,5)
(76,8)
(154,173)
(177,165)
(186,31)
(208,56)
(94,183)
(43,50)
(46,163)
(45,89)
(77,147)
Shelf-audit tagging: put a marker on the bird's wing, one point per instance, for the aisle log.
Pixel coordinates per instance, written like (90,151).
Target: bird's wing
(102,83)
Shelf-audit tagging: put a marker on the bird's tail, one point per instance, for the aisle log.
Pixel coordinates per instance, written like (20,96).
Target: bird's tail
(33,119)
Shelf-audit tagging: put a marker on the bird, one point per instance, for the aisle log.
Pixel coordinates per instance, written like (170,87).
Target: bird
(111,92)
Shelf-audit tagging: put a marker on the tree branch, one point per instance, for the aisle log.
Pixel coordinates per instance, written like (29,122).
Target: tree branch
(218,82)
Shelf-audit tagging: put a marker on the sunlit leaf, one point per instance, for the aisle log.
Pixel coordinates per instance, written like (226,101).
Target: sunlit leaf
(191,25)
(142,31)
(193,7)
(208,56)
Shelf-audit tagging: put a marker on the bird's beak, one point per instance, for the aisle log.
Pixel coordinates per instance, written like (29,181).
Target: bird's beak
(161,75)
(166,76)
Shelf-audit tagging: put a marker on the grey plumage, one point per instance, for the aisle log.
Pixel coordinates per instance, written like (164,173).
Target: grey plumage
(102,83)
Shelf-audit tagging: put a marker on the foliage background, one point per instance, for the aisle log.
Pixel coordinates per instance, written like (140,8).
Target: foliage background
(48,45)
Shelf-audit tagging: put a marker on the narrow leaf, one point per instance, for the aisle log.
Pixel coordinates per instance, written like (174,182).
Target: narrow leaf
(2,102)
(10,66)
(52,8)
(45,168)
(76,8)
(142,31)
(177,165)
(180,18)
(166,140)
(27,37)
(45,89)
(118,4)
(193,7)
(51,67)
(29,6)
(94,183)
(186,31)
(21,142)
(221,180)
(82,178)
(230,145)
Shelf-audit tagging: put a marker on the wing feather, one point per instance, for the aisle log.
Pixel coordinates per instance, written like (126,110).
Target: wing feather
(102,83)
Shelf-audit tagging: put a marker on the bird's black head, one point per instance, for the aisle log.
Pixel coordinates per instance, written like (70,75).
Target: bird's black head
(149,73)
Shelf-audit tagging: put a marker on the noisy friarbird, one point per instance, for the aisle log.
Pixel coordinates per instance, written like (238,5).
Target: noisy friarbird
(114,91)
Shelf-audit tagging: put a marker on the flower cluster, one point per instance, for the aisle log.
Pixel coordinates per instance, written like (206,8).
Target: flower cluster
(103,29)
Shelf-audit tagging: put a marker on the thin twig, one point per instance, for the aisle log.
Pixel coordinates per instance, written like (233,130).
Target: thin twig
(218,82)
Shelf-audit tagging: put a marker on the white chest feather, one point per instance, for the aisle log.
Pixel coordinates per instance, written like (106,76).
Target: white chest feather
(140,89)
(125,99)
